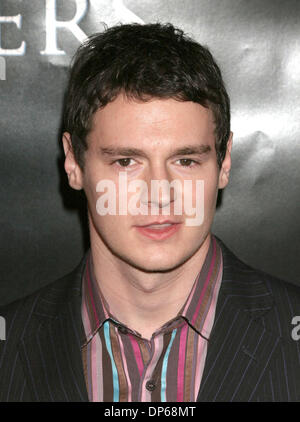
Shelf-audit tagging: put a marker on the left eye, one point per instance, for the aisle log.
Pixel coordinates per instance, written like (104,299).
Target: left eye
(187,162)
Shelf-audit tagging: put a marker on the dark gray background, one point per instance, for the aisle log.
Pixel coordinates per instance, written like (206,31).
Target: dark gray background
(256,44)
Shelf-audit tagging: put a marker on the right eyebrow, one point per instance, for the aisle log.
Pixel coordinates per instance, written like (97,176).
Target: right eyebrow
(127,152)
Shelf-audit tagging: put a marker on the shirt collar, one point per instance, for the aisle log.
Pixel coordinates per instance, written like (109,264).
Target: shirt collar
(205,290)
(95,310)
(94,307)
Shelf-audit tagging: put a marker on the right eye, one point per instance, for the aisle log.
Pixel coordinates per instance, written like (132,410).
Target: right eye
(123,162)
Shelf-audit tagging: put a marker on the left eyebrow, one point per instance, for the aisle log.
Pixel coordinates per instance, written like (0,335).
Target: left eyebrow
(192,149)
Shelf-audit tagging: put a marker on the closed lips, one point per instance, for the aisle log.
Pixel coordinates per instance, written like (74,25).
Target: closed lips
(158,226)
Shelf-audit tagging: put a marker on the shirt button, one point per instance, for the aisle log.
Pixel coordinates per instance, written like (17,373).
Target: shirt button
(123,330)
(150,385)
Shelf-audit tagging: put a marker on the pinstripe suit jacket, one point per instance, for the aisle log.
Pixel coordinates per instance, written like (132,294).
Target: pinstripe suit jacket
(251,354)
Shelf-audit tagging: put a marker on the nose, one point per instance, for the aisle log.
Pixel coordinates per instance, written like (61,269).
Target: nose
(159,193)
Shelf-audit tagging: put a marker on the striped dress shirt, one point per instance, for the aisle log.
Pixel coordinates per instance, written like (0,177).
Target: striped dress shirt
(120,365)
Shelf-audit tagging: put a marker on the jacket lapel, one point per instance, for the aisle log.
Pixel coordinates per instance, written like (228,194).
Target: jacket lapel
(240,349)
(51,356)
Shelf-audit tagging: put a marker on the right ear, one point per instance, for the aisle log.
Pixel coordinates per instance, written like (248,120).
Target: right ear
(72,168)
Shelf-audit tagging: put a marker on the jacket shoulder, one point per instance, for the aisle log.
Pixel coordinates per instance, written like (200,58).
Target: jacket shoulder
(238,269)
(262,294)
(41,305)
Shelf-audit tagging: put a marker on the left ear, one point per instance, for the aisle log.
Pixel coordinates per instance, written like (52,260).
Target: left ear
(226,165)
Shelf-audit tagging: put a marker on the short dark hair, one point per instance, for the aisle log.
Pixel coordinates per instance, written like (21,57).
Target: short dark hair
(143,61)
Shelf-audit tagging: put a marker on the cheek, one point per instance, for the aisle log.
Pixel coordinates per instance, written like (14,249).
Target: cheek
(210,191)
(96,184)
(92,196)
(207,189)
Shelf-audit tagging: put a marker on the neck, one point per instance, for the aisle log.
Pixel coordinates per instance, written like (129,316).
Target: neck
(140,300)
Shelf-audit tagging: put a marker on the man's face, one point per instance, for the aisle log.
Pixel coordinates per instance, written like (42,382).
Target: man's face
(154,140)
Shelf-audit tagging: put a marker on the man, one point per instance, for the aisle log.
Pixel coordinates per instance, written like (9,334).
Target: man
(158,309)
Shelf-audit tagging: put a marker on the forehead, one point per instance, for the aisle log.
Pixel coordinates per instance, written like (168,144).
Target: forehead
(155,122)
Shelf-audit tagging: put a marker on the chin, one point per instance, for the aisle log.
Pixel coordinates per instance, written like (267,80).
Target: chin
(155,264)
(159,268)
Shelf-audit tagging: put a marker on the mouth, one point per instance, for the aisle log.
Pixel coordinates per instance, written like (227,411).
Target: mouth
(159,230)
